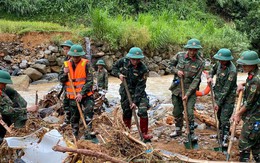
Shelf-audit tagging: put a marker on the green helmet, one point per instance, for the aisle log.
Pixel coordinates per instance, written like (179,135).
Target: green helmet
(248,57)
(193,44)
(135,53)
(67,43)
(224,55)
(76,51)
(5,77)
(100,62)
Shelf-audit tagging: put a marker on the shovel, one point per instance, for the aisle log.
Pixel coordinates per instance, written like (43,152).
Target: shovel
(189,144)
(133,110)
(222,149)
(234,126)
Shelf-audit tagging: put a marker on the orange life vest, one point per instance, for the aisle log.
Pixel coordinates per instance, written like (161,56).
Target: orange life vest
(78,77)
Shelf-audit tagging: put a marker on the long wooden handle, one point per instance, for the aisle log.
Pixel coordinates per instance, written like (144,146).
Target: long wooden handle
(78,105)
(184,102)
(215,113)
(133,110)
(5,126)
(234,123)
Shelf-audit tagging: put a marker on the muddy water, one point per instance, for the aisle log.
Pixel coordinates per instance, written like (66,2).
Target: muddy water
(157,86)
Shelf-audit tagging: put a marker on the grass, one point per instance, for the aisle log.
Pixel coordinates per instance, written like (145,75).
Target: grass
(20,27)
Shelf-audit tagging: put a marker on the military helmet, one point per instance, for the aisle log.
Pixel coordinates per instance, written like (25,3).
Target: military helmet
(135,53)
(224,55)
(248,57)
(5,77)
(67,43)
(100,62)
(76,51)
(193,44)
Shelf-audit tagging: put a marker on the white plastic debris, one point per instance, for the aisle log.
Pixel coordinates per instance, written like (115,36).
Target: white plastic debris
(39,151)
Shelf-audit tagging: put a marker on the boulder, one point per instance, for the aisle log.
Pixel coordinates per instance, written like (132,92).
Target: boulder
(20,82)
(33,73)
(40,67)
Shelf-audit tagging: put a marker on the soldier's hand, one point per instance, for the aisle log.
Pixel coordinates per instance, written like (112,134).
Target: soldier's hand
(33,108)
(78,97)
(66,70)
(121,77)
(216,107)
(236,118)
(209,80)
(240,87)
(133,106)
(185,98)
(180,73)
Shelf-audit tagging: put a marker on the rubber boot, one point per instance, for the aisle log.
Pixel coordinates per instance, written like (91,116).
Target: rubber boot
(194,138)
(225,136)
(127,122)
(178,128)
(144,128)
(244,156)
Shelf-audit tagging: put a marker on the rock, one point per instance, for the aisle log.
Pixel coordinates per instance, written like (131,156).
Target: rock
(43,61)
(40,81)
(109,62)
(55,69)
(51,119)
(155,139)
(23,64)
(153,74)
(50,76)
(60,61)
(161,72)
(33,73)
(53,49)
(21,82)
(40,67)
(157,59)
(47,52)
(8,59)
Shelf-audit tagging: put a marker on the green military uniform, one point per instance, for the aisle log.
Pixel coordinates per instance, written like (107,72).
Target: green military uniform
(192,68)
(224,90)
(250,134)
(12,107)
(66,106)
(136,78)
(87,102)
(102,76)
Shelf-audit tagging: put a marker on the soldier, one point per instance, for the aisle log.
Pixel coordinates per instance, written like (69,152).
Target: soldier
(81,74)
(250,109)
(102,78)
(188,65)
(224,90)
(12,105)
(135,73)
(65,47)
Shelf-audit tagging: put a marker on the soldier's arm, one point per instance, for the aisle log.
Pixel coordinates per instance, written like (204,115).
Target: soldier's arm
(213,70)
(226,89)
(106,80)
(116,68)
(140,88)
(252,96)
(173,64)
(17,99)
(195,83)
(63,77)
(89,81)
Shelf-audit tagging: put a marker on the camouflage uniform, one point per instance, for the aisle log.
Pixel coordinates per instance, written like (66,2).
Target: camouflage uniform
(102,79)
(225,95)
(136,80)
(87,102)
(192,69)
(13,109)
(250,134)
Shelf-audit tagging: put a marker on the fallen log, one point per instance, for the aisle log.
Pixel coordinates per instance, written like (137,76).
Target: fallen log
(87,153)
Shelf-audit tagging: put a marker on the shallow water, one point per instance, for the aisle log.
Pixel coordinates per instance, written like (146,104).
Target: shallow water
(156,86)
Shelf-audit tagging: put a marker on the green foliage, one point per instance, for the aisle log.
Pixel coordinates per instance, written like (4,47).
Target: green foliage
(20,27)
